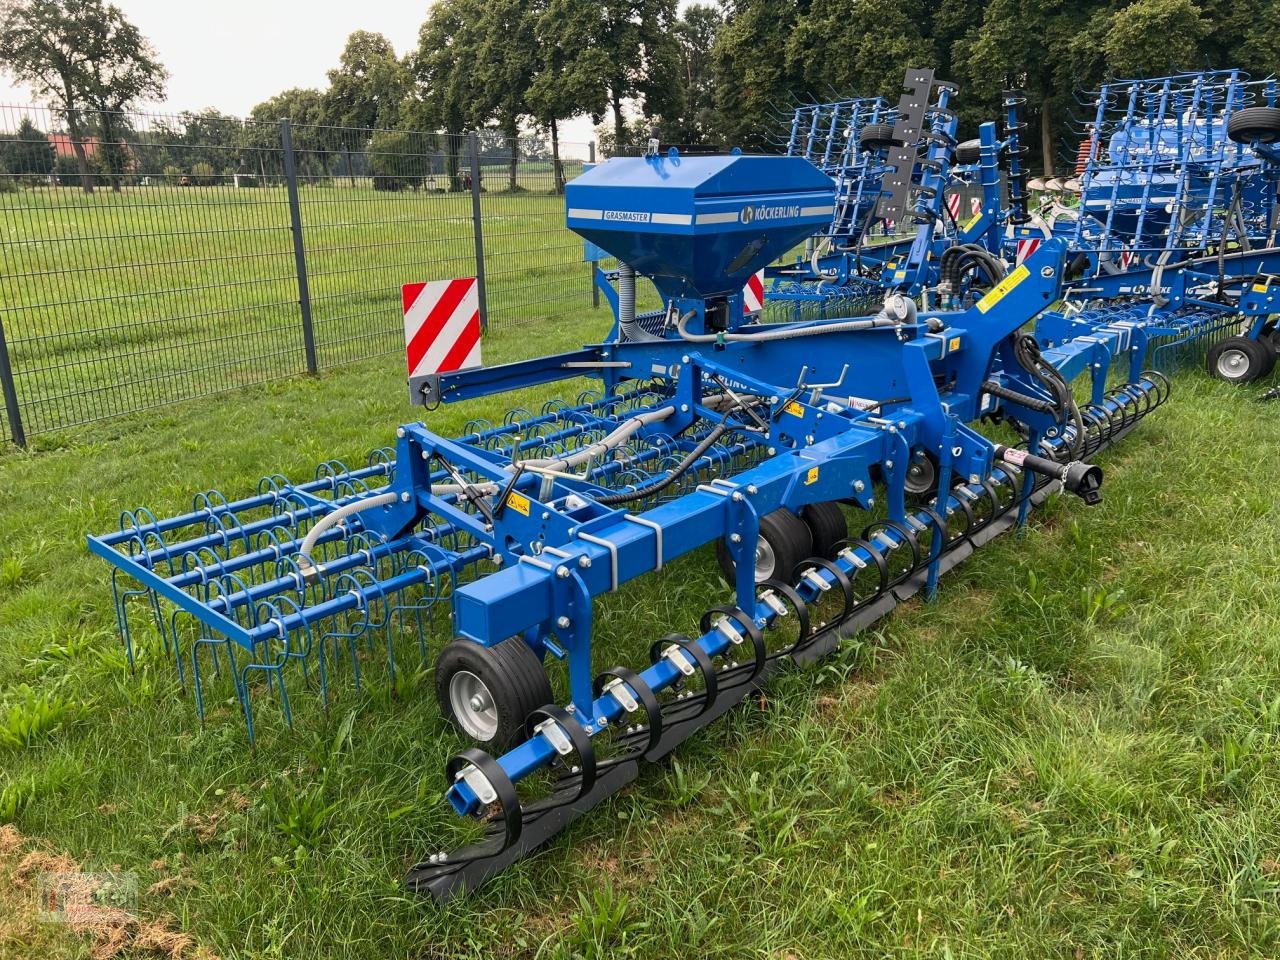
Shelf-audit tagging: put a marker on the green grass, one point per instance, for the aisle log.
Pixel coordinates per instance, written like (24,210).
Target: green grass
(116,302)
(1072,753)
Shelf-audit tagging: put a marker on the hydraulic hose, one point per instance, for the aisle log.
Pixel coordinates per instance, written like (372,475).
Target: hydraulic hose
(629,329)
(787,333)
(330,520)
(657,486)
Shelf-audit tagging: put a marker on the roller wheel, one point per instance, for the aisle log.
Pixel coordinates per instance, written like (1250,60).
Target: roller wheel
(969,152)
(826,525)
(488,692)
(785,541)
(1240,360)
(876,136)
(1254,124)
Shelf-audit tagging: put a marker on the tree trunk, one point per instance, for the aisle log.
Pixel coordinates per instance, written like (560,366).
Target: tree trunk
(511,131)
(77,144)
(453,161)
(619,124)
(108,147)
(1046,136)
(557,167)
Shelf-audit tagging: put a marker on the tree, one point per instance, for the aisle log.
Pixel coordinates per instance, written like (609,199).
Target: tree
(1151,37)
(452,97)
(564,80)
(863,47)
(369,86)
(28,152)
(695,38)
(1030,44)
(751,77)
(79,55)
(304,108)
(505,63)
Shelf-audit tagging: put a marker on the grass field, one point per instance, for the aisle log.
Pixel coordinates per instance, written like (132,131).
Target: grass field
(116,302)
(1072,753)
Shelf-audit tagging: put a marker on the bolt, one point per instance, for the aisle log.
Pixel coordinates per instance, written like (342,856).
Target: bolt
(871,501)
(888,464)
(476,703)
(404,497)
(772,451)
(563,623)
(546,515)
(751,489)
(400,432)
(584,562)
(562,572)
(892,428)
(425,455)
(684,408)
(735,538)
(957,451)
(685,358)
(858,486)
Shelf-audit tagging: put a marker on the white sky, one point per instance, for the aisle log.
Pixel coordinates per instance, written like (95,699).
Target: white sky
(236,53)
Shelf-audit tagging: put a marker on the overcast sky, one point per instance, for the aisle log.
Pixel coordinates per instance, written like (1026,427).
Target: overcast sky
(236,53)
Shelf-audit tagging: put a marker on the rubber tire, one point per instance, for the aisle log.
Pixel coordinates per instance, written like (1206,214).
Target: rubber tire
(1271,336)
(1261,359)
(827,526)
(514,675)
(969,152)
(1254,124)
(786,534)
(876,136)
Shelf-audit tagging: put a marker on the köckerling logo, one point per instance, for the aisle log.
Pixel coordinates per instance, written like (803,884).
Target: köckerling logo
(752,214)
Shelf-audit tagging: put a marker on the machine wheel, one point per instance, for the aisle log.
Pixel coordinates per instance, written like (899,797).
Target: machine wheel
(922,475)
(1240,360)
(785,542)
(488,692)
(876,136)
(1271,336)
(1250,124)
(969,152)
(827,525)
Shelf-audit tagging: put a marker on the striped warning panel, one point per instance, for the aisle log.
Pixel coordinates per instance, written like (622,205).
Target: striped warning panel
(1026,247)
(953,204)
(753,294)
(975,206)
(441,325)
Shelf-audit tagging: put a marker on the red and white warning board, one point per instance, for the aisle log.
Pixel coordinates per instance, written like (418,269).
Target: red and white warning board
(1026,247)
(953,205)
(441,325)
(753,294)
(975,206)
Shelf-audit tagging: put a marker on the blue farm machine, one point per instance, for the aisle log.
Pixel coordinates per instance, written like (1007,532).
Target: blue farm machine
(834,464)
(1175,233)
(916,212)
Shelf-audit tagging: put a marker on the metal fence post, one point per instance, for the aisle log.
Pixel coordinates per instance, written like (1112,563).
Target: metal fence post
(595,291)
(299,254)
(10,392)
(477,228)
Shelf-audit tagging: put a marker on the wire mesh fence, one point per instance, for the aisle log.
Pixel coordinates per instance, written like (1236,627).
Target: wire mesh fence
(152,258)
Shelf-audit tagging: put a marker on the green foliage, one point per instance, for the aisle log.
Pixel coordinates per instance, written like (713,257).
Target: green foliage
(397,161)
(27,152)
(1151,37)
(203,175)
(33,716)
(752,75)
(367,89)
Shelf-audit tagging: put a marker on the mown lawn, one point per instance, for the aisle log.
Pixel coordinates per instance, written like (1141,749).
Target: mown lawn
(1071,753)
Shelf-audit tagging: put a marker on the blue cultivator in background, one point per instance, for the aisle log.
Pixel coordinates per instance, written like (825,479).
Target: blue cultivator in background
(833,463)
(936,203)
(1176,228)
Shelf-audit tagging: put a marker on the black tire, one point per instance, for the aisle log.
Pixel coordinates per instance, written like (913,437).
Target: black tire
(785,543)
(1254,124)
(513,677)
(1271,336)
(1240,360)
(827,526)
(876,136)
(969,152)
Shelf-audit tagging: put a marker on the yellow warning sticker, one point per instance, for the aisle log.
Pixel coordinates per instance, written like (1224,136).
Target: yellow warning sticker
(1003,288)
(518,502)
(954,344)
(811,477)
(1259,288)
(972,222)
(793,408)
